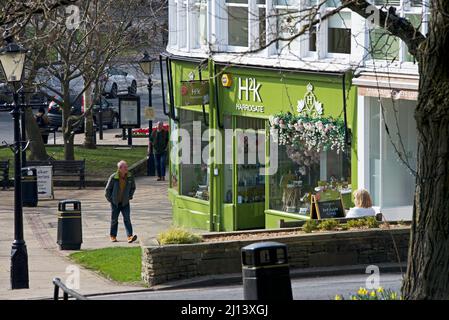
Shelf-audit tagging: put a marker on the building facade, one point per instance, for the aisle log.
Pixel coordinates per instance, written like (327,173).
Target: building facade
(352,87)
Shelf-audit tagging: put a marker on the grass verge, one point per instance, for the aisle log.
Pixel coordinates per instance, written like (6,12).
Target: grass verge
(118,264)
(100,162)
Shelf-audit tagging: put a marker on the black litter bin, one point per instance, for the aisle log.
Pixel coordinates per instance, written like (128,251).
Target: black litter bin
(29,187)
(266,273)
(70,234)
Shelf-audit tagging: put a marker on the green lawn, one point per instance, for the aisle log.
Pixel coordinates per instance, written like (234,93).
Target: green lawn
(119,263)
(100,162)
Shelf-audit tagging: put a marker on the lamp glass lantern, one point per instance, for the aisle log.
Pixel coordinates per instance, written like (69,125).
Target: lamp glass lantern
(12,58)
(147,64)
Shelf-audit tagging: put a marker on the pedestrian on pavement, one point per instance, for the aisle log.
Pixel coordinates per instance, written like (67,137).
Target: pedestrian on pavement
(119,191)
(159,142)
(363,205)
(42,122)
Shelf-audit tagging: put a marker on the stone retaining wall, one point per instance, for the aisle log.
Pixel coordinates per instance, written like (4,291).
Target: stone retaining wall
(173,262)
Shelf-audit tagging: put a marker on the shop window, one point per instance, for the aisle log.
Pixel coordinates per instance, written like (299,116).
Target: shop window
(312,39)
(194,171)
(228,161)
(250,140)
(174,174)
(339,33)
(237,11)
(299,174)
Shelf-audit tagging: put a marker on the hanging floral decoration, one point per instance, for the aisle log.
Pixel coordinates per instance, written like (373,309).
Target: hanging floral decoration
(305,137)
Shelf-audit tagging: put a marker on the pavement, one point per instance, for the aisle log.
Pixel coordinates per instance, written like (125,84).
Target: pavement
(150,213)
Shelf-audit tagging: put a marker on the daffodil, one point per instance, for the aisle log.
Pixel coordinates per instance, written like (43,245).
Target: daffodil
(373,293)
(362,291)
(338,297)
(393,295)
(380,290)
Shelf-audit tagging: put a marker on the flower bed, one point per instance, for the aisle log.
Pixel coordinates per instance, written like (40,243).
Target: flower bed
(220,253)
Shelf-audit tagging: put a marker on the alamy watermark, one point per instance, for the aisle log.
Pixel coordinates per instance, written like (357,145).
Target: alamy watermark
(250,146)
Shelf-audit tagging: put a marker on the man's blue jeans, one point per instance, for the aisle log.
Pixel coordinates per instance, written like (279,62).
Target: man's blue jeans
(125,210)
(161,159)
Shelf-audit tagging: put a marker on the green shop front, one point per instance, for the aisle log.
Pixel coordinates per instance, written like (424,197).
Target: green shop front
(258,144)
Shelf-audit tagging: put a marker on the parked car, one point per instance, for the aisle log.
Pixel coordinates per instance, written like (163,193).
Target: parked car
(116,81)
(109,113)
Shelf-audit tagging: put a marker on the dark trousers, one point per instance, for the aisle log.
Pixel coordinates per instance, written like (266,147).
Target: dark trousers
(125,210)
(45,138)
(161,159)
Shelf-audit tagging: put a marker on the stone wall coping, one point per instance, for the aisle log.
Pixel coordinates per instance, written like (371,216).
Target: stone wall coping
(152,244)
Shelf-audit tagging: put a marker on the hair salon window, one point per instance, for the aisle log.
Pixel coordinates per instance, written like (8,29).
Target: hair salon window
(301,172)
(228,160)
(250,148)
(194,171)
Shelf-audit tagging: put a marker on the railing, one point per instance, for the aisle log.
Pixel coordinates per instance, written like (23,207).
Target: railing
(66,291)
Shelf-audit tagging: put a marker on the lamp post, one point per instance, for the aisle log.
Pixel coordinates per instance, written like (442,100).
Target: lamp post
(12,58)
(147,65)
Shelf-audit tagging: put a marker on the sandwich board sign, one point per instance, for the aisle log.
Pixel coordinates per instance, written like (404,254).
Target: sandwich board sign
(45,182)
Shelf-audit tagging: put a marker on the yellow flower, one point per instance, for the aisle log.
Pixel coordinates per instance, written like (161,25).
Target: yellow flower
(338,297)
(362,291)
(380,290)
(373,293)
(393,295)
(353,298)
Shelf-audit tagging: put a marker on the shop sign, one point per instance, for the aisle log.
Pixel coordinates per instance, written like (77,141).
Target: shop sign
(194,93)
(249,90)
(310,106)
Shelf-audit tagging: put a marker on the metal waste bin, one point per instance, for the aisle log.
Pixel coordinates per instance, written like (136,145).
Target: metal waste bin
(266,273)
(70,234)
(29,187)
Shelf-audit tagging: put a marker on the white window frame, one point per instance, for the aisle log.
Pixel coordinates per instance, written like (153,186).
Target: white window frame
(325,35)
(224,26)
(194,10)
(182,24)
(172,23)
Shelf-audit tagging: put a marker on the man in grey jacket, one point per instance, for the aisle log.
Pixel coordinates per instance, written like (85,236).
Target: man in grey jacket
(119,191)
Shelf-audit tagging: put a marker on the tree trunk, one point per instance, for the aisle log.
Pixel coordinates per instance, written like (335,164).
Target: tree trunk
(427,274)
(89,132)
(67,127)
(37,146)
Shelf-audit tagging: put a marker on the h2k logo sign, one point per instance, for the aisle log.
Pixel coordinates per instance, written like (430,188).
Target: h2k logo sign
(249,85)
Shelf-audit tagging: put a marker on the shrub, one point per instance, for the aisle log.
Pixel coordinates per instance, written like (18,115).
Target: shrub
(310,225)
(328,224)
(178,236)
(355,223)
(371,222)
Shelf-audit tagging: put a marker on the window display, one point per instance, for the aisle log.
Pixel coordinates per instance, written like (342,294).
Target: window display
(250,134)
(194,173)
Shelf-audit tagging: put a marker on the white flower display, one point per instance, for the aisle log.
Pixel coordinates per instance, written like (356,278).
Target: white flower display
(306,137)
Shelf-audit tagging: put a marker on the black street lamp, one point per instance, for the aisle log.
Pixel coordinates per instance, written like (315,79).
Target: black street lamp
(12,58)
(147,65)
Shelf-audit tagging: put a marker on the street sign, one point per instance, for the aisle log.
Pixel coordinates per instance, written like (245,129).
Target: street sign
(129,111)
(194,92)
(149,113)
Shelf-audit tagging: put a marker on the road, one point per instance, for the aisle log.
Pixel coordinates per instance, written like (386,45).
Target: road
(316,288)
(6,123)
